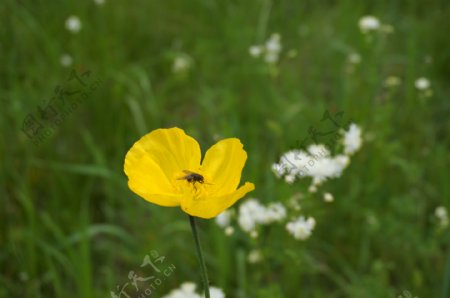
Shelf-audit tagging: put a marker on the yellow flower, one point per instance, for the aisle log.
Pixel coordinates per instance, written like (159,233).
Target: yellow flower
(164,168)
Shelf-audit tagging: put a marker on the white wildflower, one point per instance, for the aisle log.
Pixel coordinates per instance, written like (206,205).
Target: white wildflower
(275,212)
(278,170)
(291,162)
(229,231)
(301,228)
(188,287)
(252,213)
(223,219)
(352,139)
(273,44)
(289,178)
(181,63)
(312,188)
(441,212)
(328,197)
(254,256)
(369,23)
(318,151)
(187,290)
(99,2)
(256,50)
(273,48)
(216,293)
(342,160)
(325,168)
(442,215)
(316,163)
(422,83)
(73,24)
(66,60)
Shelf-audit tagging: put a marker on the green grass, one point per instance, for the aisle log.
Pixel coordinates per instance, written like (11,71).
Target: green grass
(70,227)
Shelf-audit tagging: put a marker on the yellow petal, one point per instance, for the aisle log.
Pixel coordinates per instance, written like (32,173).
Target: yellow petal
(223,163)
(146,179)
(213,206)
(153,161)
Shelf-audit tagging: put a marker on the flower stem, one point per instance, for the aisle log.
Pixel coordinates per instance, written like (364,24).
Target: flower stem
(200,255)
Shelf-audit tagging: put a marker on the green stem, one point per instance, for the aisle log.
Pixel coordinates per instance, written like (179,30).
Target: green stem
(200,255)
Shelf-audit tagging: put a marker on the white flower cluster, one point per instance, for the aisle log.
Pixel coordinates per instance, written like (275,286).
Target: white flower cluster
(251,214)
(317,162)
(271,49)
(187,290)
(318,165)
(442,215)
(301,228)
(368,24)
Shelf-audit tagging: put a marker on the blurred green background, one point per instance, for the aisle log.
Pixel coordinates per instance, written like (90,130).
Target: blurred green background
(69,225)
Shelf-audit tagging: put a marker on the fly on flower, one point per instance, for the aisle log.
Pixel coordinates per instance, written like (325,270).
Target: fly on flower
(165,168)
(192,177)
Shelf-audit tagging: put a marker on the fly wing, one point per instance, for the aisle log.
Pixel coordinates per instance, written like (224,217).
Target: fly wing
(185,177)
